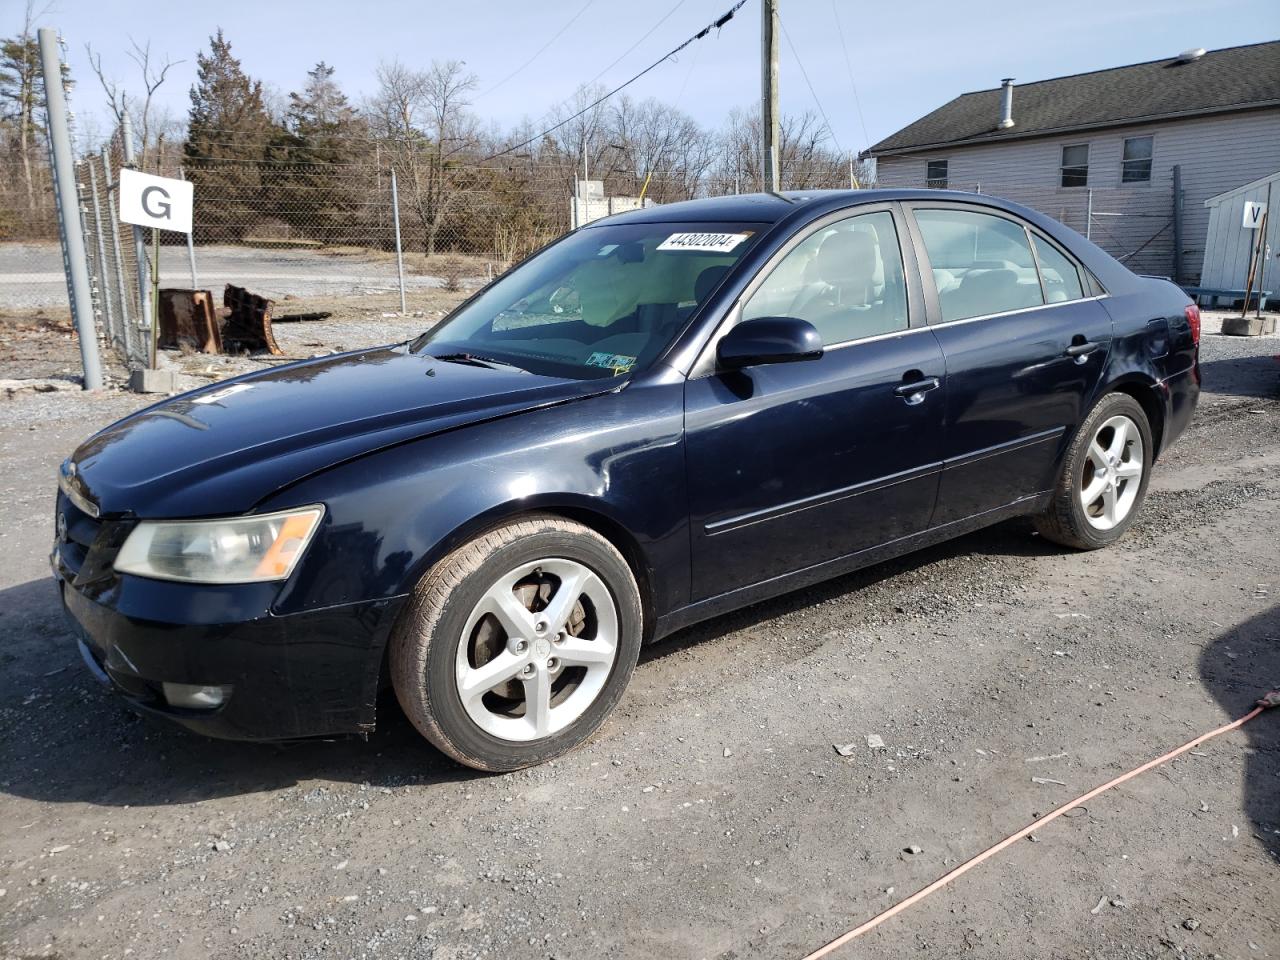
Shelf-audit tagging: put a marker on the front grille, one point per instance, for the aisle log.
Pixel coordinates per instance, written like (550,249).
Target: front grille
(87,545)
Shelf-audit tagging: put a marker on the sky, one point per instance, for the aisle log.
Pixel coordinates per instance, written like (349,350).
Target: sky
(903,58)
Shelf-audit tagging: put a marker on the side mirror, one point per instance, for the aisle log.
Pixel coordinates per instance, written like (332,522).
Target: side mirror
(768,340)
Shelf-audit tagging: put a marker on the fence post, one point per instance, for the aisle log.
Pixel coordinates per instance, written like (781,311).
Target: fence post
(139,245)
(395,216)
(1177,223)
(1088,214)
(101,261)
(191,244)
(73,249)
(122,287)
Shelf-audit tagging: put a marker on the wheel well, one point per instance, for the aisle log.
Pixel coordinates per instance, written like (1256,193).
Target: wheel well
(625,544)
(1149,400)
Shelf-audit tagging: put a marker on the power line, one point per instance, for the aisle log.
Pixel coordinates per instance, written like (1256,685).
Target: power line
(541,50)
(835,12)
(716,24)
(804,73)
(642,39)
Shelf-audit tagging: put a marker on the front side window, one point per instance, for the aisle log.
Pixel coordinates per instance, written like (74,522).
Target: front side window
(1135,165)
(1060,274)
(1075,165)
(982,264)
(602,302)
(846,279)
(936,174)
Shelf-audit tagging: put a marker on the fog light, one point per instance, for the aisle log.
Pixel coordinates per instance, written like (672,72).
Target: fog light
(192,696)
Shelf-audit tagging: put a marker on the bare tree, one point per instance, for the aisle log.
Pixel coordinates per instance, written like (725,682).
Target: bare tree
(119,99)
(423,122)
(804,158)
(21,88)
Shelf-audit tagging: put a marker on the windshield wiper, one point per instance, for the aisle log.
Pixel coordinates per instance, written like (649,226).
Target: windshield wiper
(475,360)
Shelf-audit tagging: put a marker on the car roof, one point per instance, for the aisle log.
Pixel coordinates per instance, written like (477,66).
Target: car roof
(774,207)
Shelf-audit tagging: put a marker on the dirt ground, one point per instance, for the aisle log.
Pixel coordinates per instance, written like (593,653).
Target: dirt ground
(711,816)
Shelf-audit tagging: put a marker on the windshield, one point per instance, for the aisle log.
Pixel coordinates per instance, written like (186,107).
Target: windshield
(602,302)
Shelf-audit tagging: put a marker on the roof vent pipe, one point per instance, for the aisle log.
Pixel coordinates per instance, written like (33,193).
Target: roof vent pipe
(1006,104)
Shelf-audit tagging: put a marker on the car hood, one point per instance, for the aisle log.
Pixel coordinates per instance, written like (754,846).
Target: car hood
(224,448)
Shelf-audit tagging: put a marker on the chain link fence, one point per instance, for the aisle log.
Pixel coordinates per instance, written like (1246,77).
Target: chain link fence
(408,220)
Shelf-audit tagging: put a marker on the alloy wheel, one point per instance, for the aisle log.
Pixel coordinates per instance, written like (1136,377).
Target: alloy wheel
(537,649)
(1112,475)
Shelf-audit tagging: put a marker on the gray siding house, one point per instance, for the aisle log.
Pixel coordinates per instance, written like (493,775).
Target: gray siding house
(1101,151)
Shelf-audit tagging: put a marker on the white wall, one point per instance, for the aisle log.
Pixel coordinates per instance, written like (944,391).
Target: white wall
(1216,154)
(1230,247)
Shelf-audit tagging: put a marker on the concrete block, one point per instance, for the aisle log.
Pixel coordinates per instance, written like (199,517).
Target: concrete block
(1249,326)
(154,381)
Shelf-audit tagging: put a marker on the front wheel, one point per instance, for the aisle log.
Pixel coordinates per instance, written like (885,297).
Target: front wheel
(1104,476)
(516,646)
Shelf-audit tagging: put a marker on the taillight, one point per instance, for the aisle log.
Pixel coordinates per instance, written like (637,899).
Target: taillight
(1193,321)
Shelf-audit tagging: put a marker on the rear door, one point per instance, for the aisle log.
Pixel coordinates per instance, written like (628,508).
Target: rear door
(1025,342)
(792,465)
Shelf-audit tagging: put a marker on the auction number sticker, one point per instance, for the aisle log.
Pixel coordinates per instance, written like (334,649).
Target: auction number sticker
(703,242)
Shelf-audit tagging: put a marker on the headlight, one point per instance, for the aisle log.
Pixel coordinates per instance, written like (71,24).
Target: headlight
(234,550)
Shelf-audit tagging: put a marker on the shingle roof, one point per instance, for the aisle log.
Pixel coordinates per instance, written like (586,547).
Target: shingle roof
(1236,78)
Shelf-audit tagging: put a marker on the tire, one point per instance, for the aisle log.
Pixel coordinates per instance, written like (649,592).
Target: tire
(1117,468)
(485,610)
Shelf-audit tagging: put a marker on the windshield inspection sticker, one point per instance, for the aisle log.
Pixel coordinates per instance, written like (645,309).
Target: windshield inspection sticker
(703,242)
(617,362)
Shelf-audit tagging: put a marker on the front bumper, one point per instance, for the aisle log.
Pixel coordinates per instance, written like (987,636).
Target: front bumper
(311,674)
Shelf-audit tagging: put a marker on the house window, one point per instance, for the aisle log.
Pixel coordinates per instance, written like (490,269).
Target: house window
(1075,165)
(936,175)
(1135,165)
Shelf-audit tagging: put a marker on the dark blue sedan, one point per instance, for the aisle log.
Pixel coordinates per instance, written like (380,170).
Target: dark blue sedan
(661,417)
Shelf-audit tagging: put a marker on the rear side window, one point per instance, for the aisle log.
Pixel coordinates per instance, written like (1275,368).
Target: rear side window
(1061,276)
(981,264)
(846,279)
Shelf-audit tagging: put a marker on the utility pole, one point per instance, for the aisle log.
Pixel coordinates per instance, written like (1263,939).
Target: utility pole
(769,95)
(68,202)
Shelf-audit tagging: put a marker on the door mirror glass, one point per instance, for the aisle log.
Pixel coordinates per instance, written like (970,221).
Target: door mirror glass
(768,340)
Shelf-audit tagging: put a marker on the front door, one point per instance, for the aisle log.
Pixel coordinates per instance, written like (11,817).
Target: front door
(1025,344)
(792,465)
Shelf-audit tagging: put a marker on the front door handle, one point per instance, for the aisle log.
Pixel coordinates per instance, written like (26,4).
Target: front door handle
(1079,351)
(915,391)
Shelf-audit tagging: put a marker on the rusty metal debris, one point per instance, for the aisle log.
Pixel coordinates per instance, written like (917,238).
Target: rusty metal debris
(248,323)
(189,316)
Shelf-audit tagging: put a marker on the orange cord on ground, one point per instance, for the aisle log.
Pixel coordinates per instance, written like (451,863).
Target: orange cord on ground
(1270,700)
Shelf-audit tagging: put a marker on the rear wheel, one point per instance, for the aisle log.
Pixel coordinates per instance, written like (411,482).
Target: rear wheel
(1104,476)
(517,645)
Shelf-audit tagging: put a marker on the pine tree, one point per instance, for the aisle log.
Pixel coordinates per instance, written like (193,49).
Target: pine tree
(322,146)
(228,124)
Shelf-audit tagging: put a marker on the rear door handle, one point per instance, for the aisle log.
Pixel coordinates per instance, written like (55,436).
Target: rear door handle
(914,391)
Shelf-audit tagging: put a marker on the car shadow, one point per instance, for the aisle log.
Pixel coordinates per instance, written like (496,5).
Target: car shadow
(65,739)
(1012,538)
(1257,376)
(1237,668)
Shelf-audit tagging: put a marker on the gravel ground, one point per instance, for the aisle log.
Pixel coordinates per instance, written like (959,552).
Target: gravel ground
(711,817)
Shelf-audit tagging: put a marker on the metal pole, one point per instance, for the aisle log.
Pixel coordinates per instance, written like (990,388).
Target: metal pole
(1088,214)
(1177,223)
(769,95)
(1266,255)
(395,216)
(191,245)
(101,262)
(69,204)
(122,289)
(139,244)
